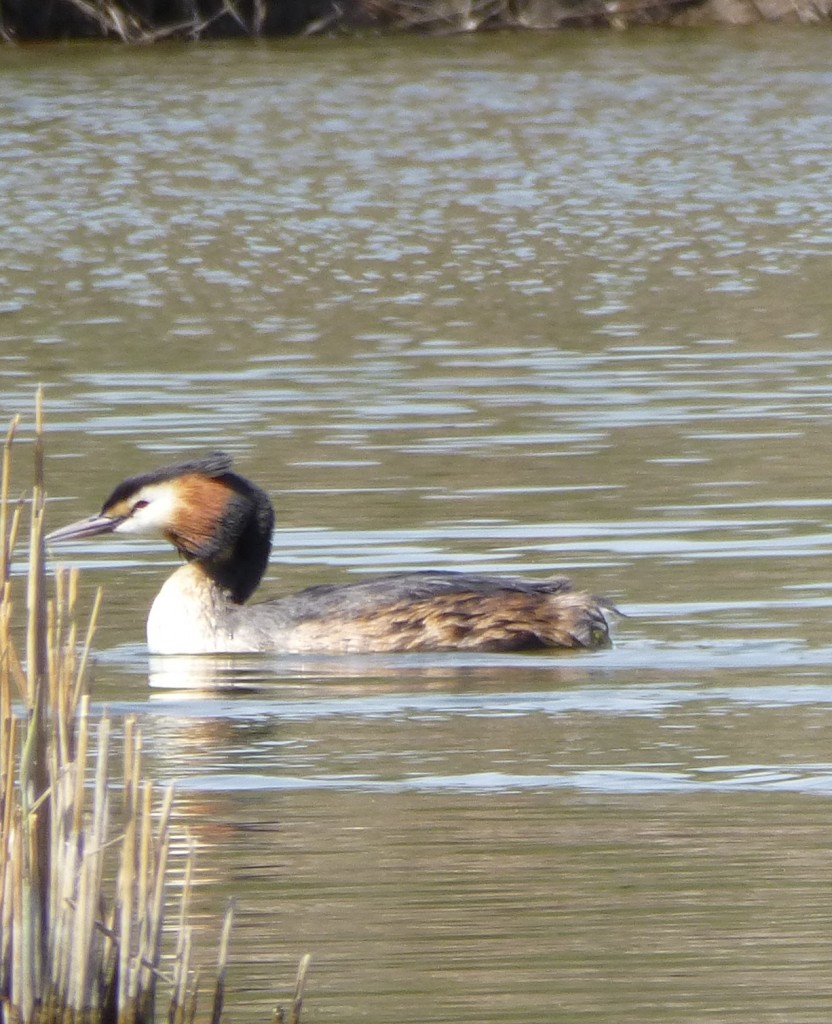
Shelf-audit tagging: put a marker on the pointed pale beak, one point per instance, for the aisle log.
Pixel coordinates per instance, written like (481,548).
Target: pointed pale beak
(91,527)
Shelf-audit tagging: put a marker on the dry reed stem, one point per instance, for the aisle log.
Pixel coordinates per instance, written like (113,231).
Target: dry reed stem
(222,963)
(5,537)
(300,987)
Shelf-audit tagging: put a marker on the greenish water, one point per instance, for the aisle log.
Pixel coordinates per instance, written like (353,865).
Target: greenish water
(511,303)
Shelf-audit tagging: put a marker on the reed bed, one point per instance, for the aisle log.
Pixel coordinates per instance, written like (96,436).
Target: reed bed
(69,828)
(147,21)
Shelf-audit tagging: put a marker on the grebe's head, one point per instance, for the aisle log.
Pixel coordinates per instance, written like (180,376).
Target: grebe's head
(209,513)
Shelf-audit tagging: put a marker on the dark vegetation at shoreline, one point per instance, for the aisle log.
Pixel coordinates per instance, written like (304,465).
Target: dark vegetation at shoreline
(145,21)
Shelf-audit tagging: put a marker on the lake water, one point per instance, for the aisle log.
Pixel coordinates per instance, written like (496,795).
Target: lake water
(515,303)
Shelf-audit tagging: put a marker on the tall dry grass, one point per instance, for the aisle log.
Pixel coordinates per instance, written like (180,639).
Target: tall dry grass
(84,853)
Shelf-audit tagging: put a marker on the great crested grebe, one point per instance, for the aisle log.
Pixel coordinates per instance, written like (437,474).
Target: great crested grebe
(222,525)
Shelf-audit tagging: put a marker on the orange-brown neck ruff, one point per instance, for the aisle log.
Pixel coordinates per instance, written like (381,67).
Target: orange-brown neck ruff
(197,529)
(225,524)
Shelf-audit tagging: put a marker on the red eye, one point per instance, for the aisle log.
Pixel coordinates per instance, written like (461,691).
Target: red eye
(140,504)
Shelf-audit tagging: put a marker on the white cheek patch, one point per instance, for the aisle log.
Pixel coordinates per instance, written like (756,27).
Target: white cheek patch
(155,517)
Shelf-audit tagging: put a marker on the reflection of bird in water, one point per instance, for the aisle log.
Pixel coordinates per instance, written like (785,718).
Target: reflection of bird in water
(222,525)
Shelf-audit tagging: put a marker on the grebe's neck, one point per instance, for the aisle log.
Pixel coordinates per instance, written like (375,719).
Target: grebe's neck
(225,537)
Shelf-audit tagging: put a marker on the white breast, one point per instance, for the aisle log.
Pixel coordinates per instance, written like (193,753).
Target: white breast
(190,615)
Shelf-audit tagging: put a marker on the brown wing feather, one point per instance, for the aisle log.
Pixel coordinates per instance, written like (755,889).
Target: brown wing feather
(507,621)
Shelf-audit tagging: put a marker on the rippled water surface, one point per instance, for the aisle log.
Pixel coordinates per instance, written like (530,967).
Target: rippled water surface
(525,304)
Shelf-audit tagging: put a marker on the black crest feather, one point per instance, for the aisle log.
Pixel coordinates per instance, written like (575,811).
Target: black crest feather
(215,464)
